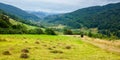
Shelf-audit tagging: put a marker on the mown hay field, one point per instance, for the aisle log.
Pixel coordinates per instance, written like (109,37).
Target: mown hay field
(47,47)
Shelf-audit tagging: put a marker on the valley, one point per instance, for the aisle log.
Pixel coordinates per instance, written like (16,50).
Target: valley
(29,33)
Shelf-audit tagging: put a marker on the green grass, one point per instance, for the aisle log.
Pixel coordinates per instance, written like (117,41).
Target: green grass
(27,26)
(50,48)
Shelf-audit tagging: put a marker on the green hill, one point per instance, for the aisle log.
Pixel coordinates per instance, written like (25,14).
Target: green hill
(105,18)
(8,25)
(18,12)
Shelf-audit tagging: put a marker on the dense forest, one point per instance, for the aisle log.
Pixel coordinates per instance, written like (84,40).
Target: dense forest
(105,18)
(107,22)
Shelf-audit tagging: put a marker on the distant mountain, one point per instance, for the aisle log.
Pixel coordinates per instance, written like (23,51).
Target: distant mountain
(18,12)
(41,14)
(105,18)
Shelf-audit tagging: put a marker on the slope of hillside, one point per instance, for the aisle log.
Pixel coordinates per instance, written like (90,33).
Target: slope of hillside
(81,16)
(11,26)
(105,18)
(18,12)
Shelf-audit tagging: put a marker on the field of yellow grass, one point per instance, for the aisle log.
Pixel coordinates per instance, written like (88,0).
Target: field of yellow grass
(109,45)
(47,47)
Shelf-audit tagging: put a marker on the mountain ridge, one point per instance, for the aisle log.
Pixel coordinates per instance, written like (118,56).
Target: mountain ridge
(102,17)
(18,12)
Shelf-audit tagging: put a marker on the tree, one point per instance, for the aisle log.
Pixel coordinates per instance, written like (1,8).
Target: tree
(68,32)
(3,24)
(36,31)
(90,34)
(50,32)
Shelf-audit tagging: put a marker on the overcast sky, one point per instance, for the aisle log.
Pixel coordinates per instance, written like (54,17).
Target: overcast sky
(58,6)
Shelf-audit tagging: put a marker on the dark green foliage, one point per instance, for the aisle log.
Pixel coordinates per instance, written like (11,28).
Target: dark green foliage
(19,19)
(36,31)
(105,18)
(90,34)
(82,17)
(3,24)
(50,32)
(4,21)
(7,28)
(67,32)
(18,26)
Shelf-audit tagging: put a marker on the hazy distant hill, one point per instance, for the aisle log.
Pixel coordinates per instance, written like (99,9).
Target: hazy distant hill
(18,12)
(41,14)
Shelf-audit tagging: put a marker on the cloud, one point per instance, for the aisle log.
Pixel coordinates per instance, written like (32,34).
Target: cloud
(59,6)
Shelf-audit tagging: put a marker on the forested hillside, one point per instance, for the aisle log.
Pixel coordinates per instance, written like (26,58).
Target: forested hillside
(108,22)
(105,18)
(8,25)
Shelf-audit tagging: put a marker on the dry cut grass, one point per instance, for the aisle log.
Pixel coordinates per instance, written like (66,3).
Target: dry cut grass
(47,47)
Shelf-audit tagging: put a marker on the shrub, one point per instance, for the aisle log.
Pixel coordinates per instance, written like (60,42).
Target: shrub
(68,32)
(50,32)
(90,34)
(3,24)
(36,31)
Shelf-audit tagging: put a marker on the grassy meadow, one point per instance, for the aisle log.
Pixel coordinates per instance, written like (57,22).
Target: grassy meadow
(47,47)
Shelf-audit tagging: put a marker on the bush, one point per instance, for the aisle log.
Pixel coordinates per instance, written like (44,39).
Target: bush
(68,32)
(90,34)
(3,24)
(50,32)
(36,31)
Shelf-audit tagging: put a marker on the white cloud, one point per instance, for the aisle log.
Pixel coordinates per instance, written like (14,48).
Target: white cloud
(56,5)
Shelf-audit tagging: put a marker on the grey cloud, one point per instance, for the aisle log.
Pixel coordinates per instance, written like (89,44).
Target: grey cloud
(56,5)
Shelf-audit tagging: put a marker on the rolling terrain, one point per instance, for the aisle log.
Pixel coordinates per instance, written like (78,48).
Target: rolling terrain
(64,37)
